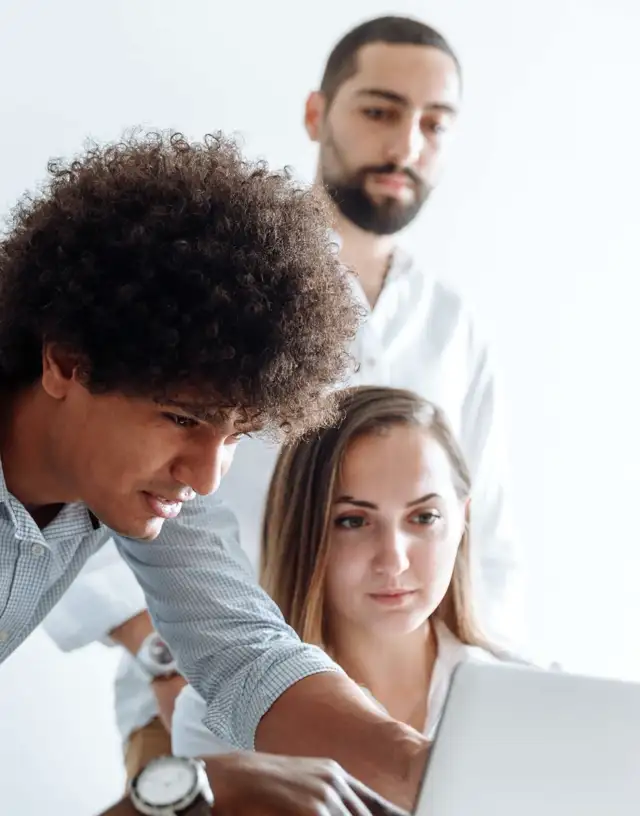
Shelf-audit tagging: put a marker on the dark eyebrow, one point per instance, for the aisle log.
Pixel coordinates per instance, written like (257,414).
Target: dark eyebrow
(197,412)
(211,417)
(372,506)
(356,502)
(423,499)
(392,96)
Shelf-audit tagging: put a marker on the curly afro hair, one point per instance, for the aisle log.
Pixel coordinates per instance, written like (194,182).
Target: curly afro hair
(167,267)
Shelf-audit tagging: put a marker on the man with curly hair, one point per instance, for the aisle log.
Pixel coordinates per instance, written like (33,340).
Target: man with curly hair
(159,299)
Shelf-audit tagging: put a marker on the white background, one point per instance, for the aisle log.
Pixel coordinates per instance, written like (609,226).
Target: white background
(537,222)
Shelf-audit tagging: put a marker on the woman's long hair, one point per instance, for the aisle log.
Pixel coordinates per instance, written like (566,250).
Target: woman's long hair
(296,524)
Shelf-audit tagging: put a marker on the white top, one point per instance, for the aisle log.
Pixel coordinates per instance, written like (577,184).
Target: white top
(191,738)
(418,336)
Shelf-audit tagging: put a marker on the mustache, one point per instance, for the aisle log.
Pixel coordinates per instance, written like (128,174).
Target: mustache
(389,169)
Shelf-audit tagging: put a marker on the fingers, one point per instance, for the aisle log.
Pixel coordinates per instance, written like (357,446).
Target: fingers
(339,801)
(353,801)
(345,799)
(376,804)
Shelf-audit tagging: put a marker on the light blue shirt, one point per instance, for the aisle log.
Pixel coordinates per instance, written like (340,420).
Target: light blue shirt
(228,637)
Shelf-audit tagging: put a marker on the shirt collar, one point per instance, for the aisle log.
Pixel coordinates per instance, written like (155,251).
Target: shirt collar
(74,517)
(4,492)
(401,260)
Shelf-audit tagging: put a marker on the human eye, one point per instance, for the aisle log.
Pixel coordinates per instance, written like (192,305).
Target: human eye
(350,522)
(376,114)
(180,420)
(427,518)
(437,126)
(233,438)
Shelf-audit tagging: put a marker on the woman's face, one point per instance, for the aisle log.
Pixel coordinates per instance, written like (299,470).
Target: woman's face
(395,529)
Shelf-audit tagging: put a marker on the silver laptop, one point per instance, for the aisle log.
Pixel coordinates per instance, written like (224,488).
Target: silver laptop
(518,741)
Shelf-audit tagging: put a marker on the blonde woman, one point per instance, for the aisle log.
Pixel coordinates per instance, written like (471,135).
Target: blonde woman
(365,549)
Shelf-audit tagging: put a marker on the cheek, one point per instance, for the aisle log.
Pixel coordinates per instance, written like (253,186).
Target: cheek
(346,574)
(355,145)
(131,459)
(432,563)
(434,162)
(228,453)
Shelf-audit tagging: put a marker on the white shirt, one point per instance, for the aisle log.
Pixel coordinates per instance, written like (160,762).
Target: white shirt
(189,737)
(419,336)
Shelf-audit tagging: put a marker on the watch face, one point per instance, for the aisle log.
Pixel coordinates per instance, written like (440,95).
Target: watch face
(166,781)
(159,652)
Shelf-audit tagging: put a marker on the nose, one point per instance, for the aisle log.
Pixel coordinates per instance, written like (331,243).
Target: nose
(392,554)
(202,466)
(407,143)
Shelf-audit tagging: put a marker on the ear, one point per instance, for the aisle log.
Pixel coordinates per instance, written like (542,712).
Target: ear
(58,370)
(314,111)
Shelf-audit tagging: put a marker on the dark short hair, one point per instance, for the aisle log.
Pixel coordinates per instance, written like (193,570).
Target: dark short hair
(342,62)
(165,266)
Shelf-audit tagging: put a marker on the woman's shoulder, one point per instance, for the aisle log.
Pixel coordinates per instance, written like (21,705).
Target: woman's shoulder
(498,654)
(481,654)
(487,652)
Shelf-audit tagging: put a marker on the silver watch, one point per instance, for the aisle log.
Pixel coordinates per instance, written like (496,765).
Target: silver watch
(155,658)
(172,786)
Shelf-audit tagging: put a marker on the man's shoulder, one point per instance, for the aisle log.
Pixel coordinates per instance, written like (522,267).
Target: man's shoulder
(445,296)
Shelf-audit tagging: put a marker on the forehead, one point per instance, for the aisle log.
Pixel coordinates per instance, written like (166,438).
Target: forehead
(423,75)
(402,462)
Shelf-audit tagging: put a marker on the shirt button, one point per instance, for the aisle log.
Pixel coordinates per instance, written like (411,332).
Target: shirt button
(37,550)
(4,636)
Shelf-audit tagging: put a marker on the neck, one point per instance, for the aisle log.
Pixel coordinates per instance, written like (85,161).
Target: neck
(367,254)
(26,463)
(395,669)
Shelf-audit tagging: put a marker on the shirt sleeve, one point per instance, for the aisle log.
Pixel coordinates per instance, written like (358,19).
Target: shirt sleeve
(103,596)
(189,735)
(228,637)
(498,568)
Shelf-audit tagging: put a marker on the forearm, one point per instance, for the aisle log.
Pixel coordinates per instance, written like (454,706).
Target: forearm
(132,632)
(327,715)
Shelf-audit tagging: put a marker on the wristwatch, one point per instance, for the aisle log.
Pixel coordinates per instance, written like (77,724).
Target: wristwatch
(155,658)
(172,786)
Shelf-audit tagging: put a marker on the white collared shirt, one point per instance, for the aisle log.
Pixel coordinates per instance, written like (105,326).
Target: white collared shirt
(189,737)
(419,336)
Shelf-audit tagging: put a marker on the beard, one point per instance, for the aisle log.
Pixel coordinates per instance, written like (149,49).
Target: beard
(347,191)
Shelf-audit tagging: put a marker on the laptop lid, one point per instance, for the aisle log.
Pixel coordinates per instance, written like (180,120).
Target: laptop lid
(519,741)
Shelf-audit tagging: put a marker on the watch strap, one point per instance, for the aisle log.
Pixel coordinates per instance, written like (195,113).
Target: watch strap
(200,807)
(125,807)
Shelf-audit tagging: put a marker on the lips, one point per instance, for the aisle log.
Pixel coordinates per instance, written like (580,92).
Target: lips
(394,181)
(391,593)
(392,596)
(163,507)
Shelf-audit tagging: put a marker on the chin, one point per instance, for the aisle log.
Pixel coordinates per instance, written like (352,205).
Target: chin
(400,623)
(142,530)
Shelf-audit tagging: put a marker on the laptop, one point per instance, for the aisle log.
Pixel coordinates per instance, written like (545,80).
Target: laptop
(520,741)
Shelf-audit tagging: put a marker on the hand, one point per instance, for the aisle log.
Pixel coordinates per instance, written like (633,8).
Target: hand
(255,784)
(166,689)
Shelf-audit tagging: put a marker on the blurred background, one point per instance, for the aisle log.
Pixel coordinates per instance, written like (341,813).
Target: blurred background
(537,223)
